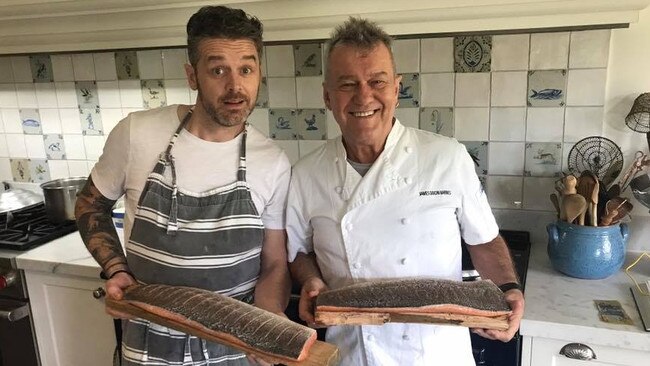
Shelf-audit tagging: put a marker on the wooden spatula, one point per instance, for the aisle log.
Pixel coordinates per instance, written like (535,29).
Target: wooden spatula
(586,186)
(574,207)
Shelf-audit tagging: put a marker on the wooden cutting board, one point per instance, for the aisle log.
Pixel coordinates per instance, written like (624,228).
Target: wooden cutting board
(320,353)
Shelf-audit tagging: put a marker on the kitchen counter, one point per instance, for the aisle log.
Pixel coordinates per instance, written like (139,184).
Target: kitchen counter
(562,307)
(66,256)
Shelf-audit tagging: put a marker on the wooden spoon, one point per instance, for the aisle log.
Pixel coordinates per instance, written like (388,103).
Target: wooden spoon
(574,206)
(586,186)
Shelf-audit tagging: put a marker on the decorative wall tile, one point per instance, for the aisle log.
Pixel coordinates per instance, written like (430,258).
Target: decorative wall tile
(478,150)
(174,61)
(105,66)
(22,69)
(150,64)
(126,65)
(62,67)
(506,158)
(153,93)
(39,171)
(41,68)
(549,51)
(283,124)
(543,159)
(581,122)
(87,94)
(311,124)
(509,88)
(31,121)
(54,146)
(91,121)
(282,92)
(586,87)
(309,92)
(510,52)
(472,89)
(589,49)
(406,53)
(544,124)
(472,53)
(83,66)
(546,88)
(409,91)
(6,73)
(279,61)
(437,55)
(45,95)
(505,192)
(471,124)
(308,59)
(20,170)
(409,117)
(437,120)
(508,124)
(437,89)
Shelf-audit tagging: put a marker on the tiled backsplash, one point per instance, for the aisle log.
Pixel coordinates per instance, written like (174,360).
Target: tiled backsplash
(518,102)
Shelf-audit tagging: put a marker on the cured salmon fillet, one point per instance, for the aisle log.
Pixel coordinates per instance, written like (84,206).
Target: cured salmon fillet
(473,300)
(236,323)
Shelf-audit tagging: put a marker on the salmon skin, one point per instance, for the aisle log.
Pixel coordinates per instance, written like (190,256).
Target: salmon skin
(226,318)
(480,298)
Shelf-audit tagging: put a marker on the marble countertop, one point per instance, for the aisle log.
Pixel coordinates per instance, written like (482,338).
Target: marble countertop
(562,307)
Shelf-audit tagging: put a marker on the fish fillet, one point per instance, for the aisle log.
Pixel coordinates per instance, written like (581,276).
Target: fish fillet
(234,321)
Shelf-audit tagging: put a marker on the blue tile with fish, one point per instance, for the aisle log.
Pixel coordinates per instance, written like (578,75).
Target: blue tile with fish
(409,91)
(39,171)
(311,124)
(438,120)
(283,124)
(543,159)
(153,93)
(472,53)
(30,120)
(91,121)
(126,65)
(87,94)
(54,146)
(546,88)
(41,67)
(308,59)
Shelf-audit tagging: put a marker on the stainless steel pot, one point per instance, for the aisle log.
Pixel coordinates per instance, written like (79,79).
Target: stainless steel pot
(60,197)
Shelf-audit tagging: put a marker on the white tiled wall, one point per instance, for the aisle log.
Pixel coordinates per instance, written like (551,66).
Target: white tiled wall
(487,106)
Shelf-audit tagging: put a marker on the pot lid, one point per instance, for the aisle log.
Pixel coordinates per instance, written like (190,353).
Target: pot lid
(15,199)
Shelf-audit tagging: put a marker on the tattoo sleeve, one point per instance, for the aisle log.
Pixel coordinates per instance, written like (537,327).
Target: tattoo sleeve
(93,213)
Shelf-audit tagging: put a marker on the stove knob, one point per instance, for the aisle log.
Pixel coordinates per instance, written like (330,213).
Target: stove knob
(8,279)
(99,293)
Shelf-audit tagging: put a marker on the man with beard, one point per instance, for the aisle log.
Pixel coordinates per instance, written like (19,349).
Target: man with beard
(205,195)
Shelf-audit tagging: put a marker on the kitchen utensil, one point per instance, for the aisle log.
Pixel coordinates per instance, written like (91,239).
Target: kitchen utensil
(640,160)
(569,182)
(597,154)
(13,199)
(60,197)
(641,182)
(556,204)
(574,206)
(611,210)
(623,211)
(586,186)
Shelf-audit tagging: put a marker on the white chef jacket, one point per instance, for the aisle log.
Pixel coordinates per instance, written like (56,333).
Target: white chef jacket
(404,218)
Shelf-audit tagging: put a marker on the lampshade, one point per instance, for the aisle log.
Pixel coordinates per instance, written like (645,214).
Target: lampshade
(639,117)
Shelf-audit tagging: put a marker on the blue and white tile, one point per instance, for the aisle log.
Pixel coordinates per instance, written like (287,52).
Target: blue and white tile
(6,72)
(54,146)
(311,124)
(110,118)
(472,53)
(70,121)
(31,121)
(66,95)
(91,121)
(437,90)
(87,94)
(20,170)
(509,89)
(586,87)
(153,93)
(581,122)
(16,145)
(105,66)
(177,91)
(437,120)
(83,66)
(506,158)
(262,100)
(471,124)
(259,118)
(22,69)
(8,97)
(35,148)
(547,88)
(309,90)
(11,120)
(472,89)
(41,67)
(409,91)
(543,159)
(508,124)
(94,146)
(108,93)
(174,61)
(545,124)
(58,169)
(505,192)
(510,52)
(26,94)
(437,55)
(409,117)
(589,49)
(308,59)
(291,148)
(280,61)
(406,53)
(283,124)
(50,120)
(150,64)
(549,51)
(74,147)
(45,95)
(537,192)
(62,67)
(78,168)
(478,150)
(126,65)
(131,94)
(307,146)
(282,92)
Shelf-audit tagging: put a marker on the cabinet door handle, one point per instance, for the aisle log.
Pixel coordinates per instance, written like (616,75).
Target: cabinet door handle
(578,351)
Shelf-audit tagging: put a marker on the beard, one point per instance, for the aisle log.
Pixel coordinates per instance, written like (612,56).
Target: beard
(224,117)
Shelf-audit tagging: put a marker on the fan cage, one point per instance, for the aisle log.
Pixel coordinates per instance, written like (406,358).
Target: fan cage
(597,154)
(639,117)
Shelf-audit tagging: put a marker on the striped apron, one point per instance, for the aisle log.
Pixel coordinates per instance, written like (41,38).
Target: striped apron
(211,240)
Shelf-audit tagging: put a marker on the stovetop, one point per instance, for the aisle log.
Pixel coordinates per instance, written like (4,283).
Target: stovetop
(27,228)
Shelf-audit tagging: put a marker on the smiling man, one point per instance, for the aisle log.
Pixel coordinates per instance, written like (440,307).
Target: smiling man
(205,195)
(388,201)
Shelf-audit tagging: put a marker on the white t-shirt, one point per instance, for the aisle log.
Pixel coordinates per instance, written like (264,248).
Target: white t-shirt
(133,147)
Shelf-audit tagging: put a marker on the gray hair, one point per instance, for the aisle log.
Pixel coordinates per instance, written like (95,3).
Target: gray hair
(360,33)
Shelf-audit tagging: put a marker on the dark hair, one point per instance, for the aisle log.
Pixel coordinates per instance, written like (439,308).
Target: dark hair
(360,33)
(221,22)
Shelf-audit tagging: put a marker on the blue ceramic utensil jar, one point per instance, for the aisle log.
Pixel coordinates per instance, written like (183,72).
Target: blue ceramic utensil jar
(586,251)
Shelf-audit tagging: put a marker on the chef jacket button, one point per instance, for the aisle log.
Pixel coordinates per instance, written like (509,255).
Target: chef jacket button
(348,227)
(371,337)
(336,160)
(403,260)
(404,221)
(408,149)
(405,337)
(407,180)
(357,265)
(338,189)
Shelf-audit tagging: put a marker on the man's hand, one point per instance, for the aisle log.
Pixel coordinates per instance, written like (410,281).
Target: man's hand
(515,299)
(115,290)
(310,290)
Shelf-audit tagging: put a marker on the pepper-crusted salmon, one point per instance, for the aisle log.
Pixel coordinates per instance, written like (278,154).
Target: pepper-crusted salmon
(225,318)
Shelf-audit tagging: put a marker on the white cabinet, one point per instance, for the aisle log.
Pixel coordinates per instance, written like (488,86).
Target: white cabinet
(71,326)
(546,352)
